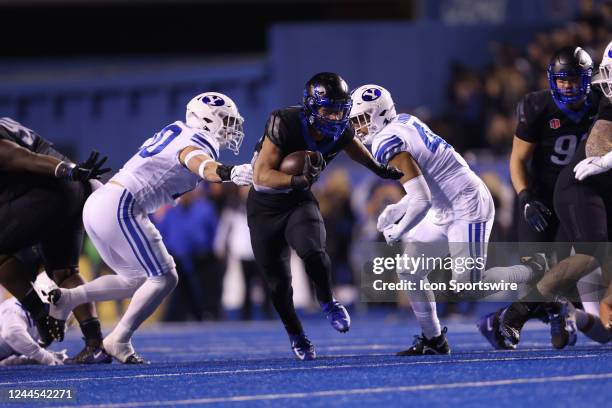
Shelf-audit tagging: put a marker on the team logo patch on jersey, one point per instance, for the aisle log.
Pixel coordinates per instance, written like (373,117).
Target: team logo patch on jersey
(213,100)
(555,123)
(371,94)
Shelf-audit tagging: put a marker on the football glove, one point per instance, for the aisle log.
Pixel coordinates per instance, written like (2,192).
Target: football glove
(534,212)
(592,166)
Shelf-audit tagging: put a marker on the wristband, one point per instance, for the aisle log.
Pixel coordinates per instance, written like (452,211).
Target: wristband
(203,165)
(193,154)
(64,169)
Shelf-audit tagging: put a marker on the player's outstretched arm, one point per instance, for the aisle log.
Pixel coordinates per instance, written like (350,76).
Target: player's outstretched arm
(14,332)
(200,163)
(14,158)
(265,171)
(398,218)
(358,152)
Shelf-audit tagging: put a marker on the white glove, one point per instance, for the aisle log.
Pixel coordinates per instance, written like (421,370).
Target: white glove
(61,355)
(45,357)
(593,165)
(393,233)
(390,215)
(242,175)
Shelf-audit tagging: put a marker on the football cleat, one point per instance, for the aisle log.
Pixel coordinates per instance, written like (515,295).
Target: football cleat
(562,326)
(489,327)
(511,334)
(423,346)
(123,352)
(302,347)
(538,264)
(337,316)
(90,354)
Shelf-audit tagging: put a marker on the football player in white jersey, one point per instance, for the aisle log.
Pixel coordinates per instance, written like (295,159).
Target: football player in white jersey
(446,209)
(19,338)
(167,165)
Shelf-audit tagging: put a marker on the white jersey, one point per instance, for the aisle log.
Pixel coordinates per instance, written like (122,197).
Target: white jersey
(14,317)
(456,191)
(155,176)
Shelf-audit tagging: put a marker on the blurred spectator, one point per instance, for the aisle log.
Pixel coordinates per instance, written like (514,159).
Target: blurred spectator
(234,239)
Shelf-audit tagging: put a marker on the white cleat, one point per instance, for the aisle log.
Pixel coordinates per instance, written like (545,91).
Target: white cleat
(123,352)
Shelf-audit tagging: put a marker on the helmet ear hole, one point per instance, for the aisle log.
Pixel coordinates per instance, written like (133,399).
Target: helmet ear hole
(383,113)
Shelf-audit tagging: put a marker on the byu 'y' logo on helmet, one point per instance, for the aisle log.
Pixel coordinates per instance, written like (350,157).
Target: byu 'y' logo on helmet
(371,94)
(213,100)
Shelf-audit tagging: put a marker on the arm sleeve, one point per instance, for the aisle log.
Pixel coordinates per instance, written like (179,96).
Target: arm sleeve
(15,333)
(417,202)
(525,121)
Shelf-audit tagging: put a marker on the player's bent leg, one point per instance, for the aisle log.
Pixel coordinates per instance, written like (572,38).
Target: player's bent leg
(144,302)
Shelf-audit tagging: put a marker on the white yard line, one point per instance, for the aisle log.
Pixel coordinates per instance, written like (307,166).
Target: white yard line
(305,367)
(357,391)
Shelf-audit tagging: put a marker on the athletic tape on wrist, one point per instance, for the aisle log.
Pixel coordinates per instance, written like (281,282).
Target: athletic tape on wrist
(203,165)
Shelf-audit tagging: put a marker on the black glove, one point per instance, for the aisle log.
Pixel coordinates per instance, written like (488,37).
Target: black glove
(388,172)
(89,169)
(310,174)
(534,212)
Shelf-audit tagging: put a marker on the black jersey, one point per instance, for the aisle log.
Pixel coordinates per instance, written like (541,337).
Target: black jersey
(14,184)
(288,130)
(557,132)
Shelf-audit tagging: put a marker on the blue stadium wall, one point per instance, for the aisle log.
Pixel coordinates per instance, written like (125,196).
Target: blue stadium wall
(113,106)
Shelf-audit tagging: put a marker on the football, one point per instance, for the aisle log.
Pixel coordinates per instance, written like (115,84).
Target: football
(293,163)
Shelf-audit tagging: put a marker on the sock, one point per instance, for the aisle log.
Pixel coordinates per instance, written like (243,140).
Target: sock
(519,312)
(107,287)
(424,308)
(144,302)
(32,303)
(427,317)
(92,331)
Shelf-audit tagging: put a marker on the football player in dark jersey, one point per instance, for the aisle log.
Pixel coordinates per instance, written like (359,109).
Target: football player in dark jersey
(41,200)
(282,211)
(583,202)
(551,124)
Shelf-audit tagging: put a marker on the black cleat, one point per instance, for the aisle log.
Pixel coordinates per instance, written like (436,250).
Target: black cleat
(489,327)
(135,359)
(90,355)
(56,328)
(511,334)
(538,264)
(44,331)
(423,346)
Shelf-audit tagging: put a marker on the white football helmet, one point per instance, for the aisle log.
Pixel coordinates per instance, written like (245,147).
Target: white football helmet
(373,109)
(218,114)
(604,80)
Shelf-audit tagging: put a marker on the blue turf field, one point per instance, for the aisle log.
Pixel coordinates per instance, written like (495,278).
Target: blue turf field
(238,364)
